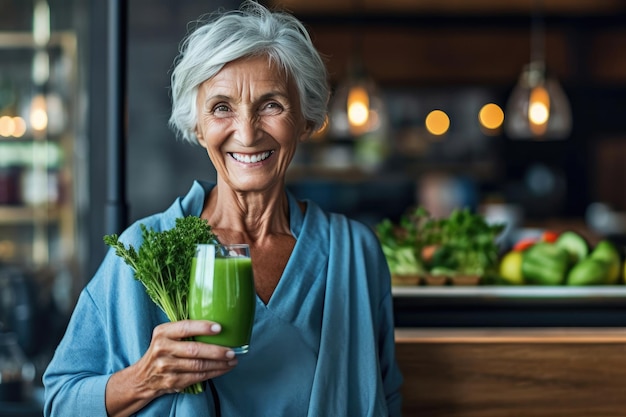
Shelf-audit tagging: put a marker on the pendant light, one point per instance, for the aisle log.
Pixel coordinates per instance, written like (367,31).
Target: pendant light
(538,107)
(356,107)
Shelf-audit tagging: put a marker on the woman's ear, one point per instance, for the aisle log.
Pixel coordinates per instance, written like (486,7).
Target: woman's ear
(199,137)
(307,132)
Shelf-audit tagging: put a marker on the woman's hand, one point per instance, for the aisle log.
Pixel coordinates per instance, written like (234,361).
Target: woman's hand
(170,364)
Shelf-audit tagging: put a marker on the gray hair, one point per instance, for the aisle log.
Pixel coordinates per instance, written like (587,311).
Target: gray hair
(252,30)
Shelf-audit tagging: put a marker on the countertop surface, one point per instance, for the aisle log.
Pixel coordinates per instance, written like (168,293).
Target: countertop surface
(511,335)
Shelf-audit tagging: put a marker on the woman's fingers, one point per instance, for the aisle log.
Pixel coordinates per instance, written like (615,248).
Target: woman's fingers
(185,329)
(176,373)
(173,339)
(173,361)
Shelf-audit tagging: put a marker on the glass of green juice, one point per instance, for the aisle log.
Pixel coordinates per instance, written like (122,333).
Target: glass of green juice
(222,290)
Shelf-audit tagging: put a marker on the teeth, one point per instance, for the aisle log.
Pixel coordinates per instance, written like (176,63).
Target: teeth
(248,159)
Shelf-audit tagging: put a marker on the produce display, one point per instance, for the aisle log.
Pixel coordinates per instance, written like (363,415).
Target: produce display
(562,259)
(420,247)
(423,250)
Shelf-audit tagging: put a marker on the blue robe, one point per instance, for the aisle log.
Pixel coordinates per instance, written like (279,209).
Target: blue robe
(323,346)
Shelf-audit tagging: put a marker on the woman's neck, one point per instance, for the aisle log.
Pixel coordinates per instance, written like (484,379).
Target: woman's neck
(249,216)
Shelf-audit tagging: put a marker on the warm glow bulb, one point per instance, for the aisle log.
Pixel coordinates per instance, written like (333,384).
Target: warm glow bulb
(437,122)
(39,119)
(538,113)
(539,109)
(7,126)
(38,115)
(491,116)
(358,106)
(20,127)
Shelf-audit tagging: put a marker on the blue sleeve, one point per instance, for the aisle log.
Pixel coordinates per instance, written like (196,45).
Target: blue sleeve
(76,378)
(110,329)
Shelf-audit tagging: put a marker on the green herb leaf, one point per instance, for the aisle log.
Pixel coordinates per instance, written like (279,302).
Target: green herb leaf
(163,261)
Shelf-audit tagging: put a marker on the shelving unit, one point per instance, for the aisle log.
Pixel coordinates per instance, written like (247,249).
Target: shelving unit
(37,208)
(26,215)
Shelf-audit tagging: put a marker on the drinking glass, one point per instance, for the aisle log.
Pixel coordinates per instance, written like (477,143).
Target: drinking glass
(222,290)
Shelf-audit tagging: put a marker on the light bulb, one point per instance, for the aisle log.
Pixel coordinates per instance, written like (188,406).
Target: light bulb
(358,106)
(437,122)
(38,114)
(491,116)
(537,108)
(7,126)
(19,127)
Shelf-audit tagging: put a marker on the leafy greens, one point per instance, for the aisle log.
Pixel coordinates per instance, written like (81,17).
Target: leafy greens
(461,244)
(163,264)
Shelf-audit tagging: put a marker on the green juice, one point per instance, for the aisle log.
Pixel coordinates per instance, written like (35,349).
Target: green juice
(226,296)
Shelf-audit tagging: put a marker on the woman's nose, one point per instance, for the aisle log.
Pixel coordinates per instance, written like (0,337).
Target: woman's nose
(248,131)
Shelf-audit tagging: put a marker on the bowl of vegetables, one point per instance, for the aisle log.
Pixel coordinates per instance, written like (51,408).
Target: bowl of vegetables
(459,249)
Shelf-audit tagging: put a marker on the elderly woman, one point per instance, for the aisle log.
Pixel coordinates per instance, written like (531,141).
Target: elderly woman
(248,87)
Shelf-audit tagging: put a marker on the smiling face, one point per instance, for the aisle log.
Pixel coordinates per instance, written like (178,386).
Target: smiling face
(249,121)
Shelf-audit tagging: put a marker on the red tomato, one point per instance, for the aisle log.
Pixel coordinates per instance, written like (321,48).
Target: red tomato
(524,244)
(549,236)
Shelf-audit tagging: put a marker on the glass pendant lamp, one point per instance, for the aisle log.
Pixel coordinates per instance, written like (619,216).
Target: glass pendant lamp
(356,107)
(538,107)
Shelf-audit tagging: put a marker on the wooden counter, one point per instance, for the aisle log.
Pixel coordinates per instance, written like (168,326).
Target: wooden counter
(551,372)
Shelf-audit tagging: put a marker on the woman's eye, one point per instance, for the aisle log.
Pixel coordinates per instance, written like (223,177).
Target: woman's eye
(220,108)
(272,107)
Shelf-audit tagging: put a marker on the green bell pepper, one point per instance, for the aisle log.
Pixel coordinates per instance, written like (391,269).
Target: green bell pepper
(545,264)
(590,271)
(606,251)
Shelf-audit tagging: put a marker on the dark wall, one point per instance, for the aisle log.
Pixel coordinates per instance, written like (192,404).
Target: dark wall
(158,166)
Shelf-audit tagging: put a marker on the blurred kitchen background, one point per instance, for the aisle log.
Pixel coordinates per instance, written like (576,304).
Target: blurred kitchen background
(440,85)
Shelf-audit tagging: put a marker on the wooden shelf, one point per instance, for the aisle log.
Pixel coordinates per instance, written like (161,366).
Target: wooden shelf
(18,215)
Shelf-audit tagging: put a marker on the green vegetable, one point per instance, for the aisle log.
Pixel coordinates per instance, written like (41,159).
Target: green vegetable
(464,243)
(545,264)
(163,264)
(467,243)
(444,259)
(398,245)
(575,245)
(606,251)
(590,271)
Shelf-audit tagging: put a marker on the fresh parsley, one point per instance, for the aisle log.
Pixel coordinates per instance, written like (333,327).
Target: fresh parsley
(163,264)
